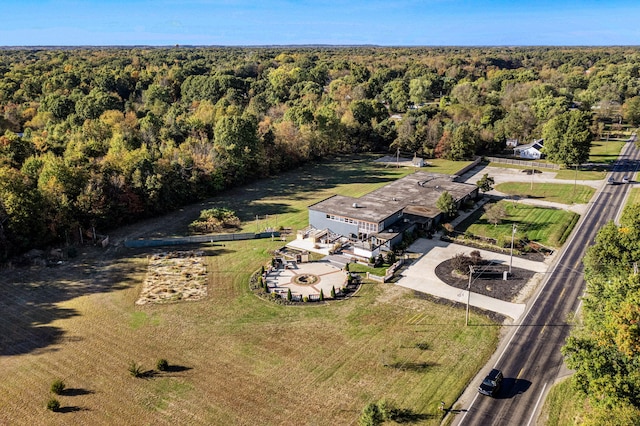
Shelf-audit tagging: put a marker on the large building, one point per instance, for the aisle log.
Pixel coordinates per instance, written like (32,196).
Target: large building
(380,217)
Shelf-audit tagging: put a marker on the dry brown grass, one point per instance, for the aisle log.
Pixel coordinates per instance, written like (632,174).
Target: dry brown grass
(240,360)
(237,359)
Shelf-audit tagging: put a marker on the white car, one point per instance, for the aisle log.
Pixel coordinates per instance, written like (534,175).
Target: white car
(610,181)
(625,179)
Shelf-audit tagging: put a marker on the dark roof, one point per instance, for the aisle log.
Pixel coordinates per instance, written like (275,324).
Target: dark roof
(537,144)
(417,190)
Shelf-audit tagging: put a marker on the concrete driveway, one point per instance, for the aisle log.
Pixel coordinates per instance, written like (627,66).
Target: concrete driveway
(420,276)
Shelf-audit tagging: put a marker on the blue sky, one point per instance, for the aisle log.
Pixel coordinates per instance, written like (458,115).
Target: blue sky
(278,22)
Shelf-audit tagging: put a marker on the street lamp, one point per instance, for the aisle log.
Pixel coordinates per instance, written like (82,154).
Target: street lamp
(513,234)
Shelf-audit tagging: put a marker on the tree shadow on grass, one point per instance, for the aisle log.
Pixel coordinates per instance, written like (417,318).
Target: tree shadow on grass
(410,366)
(177,369)
(76,392)
(71,409)
(406,415)
(148,374)
(30,299)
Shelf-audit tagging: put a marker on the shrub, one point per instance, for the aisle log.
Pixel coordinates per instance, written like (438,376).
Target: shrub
(135,369)
(379,261)
(53,404)
(305,299)
(476,257)
(321,295)
(346,267)
(387,410)
(333,292)
(57,386)
(461,263)
(371,415)
(289,296)
(391,257)
(162,364)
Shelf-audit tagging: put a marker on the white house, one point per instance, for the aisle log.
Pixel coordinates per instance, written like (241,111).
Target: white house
(531,151)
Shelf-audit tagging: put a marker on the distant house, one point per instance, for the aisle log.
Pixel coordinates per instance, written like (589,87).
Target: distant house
(531,151)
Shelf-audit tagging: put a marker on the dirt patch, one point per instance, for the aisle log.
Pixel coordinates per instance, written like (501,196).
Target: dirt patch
(493,285)
(174,276)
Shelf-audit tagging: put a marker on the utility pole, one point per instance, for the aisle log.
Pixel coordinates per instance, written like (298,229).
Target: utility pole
(513,234)
(533,172)
(466,323)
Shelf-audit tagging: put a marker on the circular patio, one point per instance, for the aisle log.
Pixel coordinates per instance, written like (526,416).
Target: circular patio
(306,279)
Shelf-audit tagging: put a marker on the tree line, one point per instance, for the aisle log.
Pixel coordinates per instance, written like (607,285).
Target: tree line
(97,137)
(605,349)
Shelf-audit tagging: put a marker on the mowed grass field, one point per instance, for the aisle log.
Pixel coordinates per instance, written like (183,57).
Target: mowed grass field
(553,192)
(546,226)
(236,359)
(606,152)
(634,196)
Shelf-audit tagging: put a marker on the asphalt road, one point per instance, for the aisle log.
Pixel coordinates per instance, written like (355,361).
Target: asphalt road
(530,355)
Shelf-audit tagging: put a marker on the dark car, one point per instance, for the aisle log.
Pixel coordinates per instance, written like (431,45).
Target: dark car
(491,384)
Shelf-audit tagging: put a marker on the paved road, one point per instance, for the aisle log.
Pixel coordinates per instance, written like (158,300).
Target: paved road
(530,354)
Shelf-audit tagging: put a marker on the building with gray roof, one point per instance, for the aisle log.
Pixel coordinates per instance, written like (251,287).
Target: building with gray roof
(382,215)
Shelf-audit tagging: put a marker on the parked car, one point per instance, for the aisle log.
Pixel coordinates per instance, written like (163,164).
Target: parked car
(610,181)
(490,386)
(625,179)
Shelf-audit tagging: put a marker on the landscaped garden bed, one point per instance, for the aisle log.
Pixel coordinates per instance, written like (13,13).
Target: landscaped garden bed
(174,276)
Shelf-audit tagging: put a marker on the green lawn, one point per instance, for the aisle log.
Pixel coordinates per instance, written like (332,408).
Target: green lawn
(363,269)
(553,192)
(563,406)
(549,227)
(634,196)
(606,152)
(437,165)
(570,174)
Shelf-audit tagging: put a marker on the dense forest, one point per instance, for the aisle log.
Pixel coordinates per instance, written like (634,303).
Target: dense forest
(97,137)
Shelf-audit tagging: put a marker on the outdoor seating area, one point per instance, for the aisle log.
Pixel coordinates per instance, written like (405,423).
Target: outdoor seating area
(305,280)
